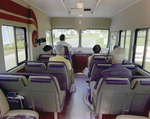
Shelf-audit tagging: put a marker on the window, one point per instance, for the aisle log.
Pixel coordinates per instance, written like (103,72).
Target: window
(92,37)
(124,41)
(147,62)
(14,45)
(71,36)
(142,48)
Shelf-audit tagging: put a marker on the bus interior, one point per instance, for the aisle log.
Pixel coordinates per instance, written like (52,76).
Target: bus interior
(26,26)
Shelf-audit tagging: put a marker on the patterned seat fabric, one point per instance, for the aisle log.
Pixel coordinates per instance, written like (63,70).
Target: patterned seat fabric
(20,117)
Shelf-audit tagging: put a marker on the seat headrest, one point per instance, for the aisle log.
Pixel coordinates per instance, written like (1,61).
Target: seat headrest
(35,64)
(54,64)
(117,81)
(129,66)
(14,78)
(141,81)
(103,65)
(40,79)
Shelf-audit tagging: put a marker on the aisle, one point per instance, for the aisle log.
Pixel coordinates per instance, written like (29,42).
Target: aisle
(76,107)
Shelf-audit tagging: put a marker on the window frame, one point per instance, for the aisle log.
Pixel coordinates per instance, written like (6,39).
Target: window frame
(145,46)
(80,36)
(125,38)
(59,28)
(16,49)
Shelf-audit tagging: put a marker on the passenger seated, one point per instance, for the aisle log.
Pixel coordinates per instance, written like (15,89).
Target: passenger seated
(63,43)
(60,57)
(115,69)
(47,49)
(96,50)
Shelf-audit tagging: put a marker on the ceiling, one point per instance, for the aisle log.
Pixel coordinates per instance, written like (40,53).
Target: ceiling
(68,8)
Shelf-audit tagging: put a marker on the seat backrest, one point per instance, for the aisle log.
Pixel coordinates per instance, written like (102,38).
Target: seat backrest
(67,53)
(112,95)
(14,83)
(4,107)
(97,69)
(60,71)
(97,59)
(35,67)
(132,67)
(45,57)
(44,94)
(141,96)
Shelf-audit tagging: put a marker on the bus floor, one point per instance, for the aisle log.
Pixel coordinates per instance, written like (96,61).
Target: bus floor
(74,106)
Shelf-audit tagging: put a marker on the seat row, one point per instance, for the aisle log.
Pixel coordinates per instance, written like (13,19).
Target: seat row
(56,68)
(103,59)
(99,67)
(41,92)
(117,95)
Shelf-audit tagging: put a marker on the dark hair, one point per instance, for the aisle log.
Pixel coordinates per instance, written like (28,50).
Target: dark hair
(47,48)
(62,37)
(116,46)
(97,48)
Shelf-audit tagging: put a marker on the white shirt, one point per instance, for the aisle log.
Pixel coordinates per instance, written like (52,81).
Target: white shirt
(63,43)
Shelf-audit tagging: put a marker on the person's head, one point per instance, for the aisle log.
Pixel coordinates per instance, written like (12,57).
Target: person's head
(116,46)
(96,48)
(118,55)
(47,49)
(62,37)
(60,50)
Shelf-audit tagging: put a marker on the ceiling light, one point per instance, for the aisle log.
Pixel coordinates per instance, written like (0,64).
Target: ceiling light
(80,5)
(80,15)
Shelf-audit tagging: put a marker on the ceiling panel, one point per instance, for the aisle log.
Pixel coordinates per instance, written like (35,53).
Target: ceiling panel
(105,8)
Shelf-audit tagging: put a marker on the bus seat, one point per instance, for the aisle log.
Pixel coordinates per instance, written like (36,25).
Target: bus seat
(111,95)
(35,67)
(45,94)
(67,53)
(6,113)
(132,67)
(14,83)
(60,71)
(97,59)
(45,57)
(97,69)
(141,96)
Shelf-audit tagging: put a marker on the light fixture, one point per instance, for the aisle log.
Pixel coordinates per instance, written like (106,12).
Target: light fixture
(80,15)
(80,5)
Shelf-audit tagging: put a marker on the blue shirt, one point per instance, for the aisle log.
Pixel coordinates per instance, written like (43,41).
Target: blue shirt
(114,70)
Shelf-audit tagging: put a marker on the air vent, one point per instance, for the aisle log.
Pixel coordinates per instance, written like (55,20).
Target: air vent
(87,9)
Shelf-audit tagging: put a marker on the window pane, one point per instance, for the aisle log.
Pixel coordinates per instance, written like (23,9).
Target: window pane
(140,47)
(48,38)
(113,41)
(127,44)
(92,37)
(147,62)
(9,47)
(20,39)
(71,36)
(122,39)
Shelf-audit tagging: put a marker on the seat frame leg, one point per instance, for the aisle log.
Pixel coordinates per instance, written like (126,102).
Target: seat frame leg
(55,115)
